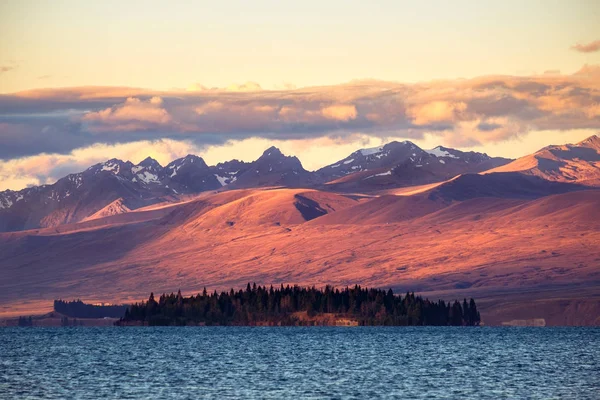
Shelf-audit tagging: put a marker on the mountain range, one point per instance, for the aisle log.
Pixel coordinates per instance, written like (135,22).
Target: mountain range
(117,186)
(502,231)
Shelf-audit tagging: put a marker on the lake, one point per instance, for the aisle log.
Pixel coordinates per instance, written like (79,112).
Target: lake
(296,362)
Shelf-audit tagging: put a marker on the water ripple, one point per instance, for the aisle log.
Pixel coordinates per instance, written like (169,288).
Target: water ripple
(295,362)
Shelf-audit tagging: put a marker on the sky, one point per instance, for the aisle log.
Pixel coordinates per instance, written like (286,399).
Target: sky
(82,80)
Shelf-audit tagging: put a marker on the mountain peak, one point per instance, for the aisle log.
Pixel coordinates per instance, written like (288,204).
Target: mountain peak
(396,145)
(272,152)
(592,141)
(113,165)
(149,162)
(194,159)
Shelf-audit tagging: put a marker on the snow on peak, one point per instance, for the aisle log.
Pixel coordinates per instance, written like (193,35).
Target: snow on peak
(439,152)
(372,150)
(111,166)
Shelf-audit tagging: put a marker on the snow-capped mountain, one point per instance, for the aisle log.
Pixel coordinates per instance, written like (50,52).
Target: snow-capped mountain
(78,196)
(117,186)
(403,164)
(389,155)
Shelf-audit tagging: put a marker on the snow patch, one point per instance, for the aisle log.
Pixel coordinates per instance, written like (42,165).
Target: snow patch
(372,150)
(349,161)
(148,177)
(77,179)
(382,174)
(222,179)
(438,152)
(6,203)
(111,166)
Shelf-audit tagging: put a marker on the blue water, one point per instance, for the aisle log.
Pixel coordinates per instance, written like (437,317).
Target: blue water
(289,363)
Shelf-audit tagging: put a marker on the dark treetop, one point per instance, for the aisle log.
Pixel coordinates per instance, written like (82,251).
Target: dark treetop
(79,309)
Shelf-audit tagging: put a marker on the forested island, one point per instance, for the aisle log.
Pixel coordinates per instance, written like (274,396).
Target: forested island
(298,306)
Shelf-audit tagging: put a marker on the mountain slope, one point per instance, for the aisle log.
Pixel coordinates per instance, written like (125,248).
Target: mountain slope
(575,163)
(482,247)
(499,185)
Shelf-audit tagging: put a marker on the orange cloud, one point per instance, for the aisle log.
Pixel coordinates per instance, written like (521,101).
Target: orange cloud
(340,112)
(437,111)
(85,93)
(133,114)
(587,48)
(480,110)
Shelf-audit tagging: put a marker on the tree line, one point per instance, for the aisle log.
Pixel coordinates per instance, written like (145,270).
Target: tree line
(79,309)
(259,305)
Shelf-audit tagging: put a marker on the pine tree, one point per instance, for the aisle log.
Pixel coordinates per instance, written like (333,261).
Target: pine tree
(475,318)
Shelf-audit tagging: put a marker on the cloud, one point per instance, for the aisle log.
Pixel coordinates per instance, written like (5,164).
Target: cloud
(437,111)
(482,110)
(591,47)
(339,112)
(10,65)
(132,115)
(244,87)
